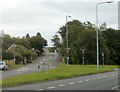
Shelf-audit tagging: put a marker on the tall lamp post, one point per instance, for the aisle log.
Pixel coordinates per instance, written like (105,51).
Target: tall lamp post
(97,30)
(67,43)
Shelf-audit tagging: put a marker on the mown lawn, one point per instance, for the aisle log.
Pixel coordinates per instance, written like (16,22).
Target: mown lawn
(63,71)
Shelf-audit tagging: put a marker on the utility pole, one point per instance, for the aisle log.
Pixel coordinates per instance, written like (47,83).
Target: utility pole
(67,43)
(1,41)
(83,57)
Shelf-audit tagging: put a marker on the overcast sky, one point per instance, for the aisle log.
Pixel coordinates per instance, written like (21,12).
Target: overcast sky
(19,17)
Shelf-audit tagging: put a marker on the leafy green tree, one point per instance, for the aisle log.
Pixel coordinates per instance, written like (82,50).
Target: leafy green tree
(27,36)
(7,42)
(38,42)
(56,41)
(113,43)
(83,35)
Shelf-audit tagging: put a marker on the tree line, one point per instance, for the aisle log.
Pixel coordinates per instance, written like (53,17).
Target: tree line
(24,48)
(83,36)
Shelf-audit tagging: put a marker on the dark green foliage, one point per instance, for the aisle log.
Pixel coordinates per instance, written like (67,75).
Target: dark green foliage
(24,52)
(83,35)
(23,41)
(38,43)
(7,41)
(18,59)
(56,41)
(28,36)
(7,55)
(23,49)
(51,49)
(113,43)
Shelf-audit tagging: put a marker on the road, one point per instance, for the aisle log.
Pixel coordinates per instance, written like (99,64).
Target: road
(102,81)
(49,59)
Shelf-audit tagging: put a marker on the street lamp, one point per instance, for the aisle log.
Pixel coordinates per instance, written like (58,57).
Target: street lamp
(97,30)
(67,44)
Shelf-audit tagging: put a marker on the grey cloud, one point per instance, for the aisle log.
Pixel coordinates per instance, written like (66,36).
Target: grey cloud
(46,17)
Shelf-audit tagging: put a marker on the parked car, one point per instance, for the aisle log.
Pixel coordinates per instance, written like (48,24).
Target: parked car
(3,66)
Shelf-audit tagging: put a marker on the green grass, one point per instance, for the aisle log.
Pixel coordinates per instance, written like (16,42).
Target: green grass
(12,66)
(63,71)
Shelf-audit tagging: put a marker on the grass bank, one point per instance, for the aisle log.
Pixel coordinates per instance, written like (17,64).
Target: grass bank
(13,66)
(63,71)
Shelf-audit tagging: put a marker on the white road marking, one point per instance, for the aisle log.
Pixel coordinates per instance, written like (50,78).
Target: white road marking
(98,77)
(19,70)
(22,69)
(104,76)
(39,89)
(50,57)
(115,87)
(116,74)
(72,83)
(80,81)
(51,87)
(62,85)
(94,78)
(112,75)
(108,75)
(87,79)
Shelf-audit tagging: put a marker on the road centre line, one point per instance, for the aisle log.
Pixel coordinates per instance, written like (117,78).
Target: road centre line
(115,87)
(113,75)
(62,85)
(94,78)
(39,89)
(108,75)
(104,76)
(51,87)
(98,77)
(80,81)
(87,79)
(72,83)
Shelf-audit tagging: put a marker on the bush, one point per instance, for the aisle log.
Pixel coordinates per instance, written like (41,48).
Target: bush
(19,59)
(7,55)
(34,55)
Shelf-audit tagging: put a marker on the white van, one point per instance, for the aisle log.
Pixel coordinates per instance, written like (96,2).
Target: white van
(3,66)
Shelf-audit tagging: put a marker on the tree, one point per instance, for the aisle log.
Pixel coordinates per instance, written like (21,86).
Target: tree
(38,42)
(7,42)
(113,43)
(38,34)
(83,35)
(56,41)
(23,41)
(28,36)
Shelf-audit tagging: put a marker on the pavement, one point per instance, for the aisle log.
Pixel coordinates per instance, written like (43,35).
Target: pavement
(102,81)
(47,61)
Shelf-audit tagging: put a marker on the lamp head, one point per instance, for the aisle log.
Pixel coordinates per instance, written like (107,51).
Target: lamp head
(110,1)
(69,16)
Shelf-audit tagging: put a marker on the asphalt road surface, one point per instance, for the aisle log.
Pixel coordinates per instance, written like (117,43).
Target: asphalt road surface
(103,81)
(47,61)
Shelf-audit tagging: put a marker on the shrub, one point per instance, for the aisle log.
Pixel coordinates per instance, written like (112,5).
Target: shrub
(7,55)
(19,59)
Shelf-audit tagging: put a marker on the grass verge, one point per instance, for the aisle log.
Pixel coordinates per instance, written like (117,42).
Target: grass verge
(13,66)
(63,71)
